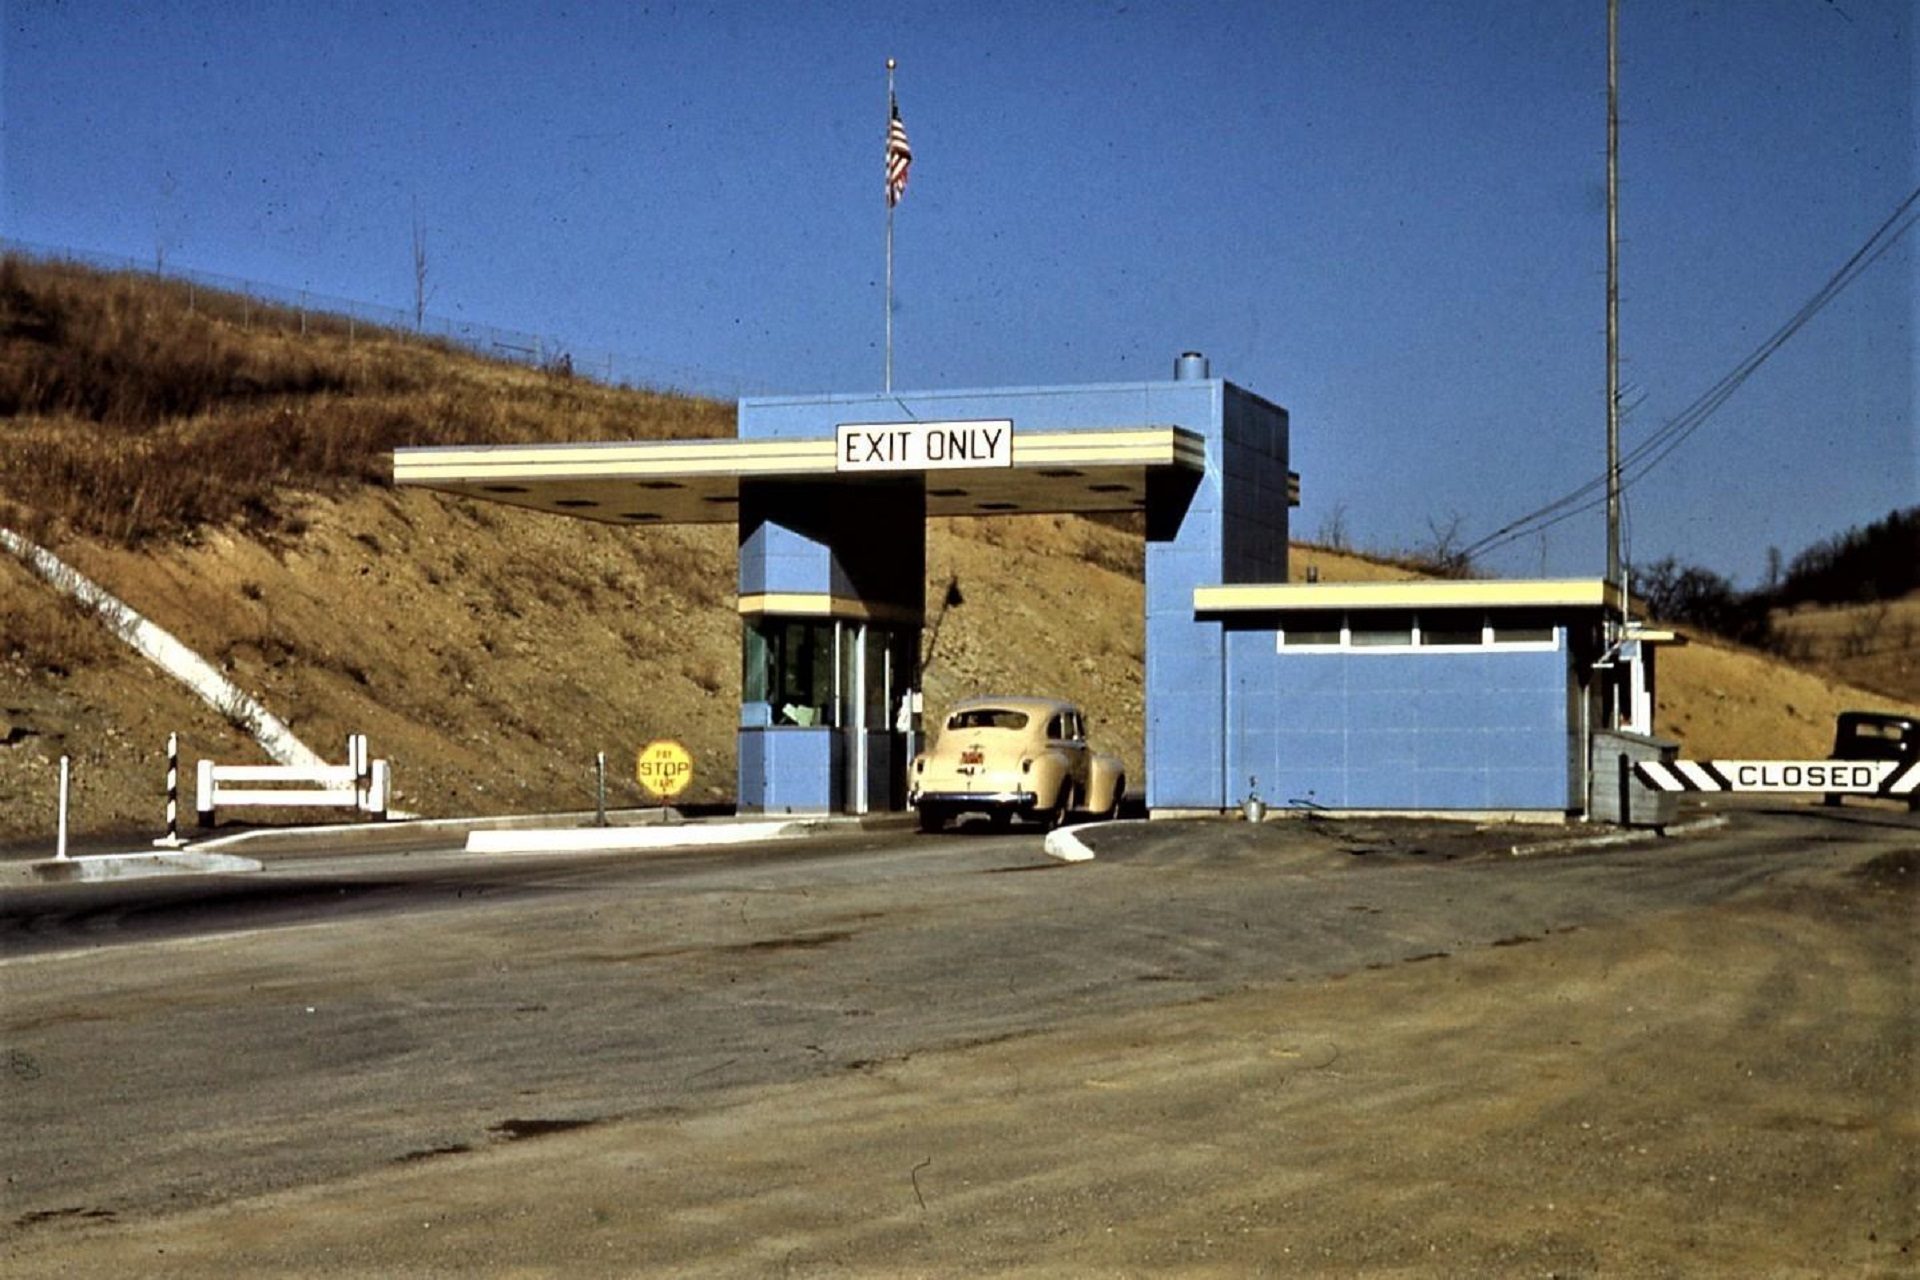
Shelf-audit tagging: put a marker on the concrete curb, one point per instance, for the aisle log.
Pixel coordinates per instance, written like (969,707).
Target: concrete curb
(637,831)
(1063,844)
(619,820)
(126,866)
(399,825)
(630,839)
(1066,845)
(1574,844)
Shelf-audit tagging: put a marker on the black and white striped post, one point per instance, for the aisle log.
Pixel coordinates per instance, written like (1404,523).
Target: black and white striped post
(172,839)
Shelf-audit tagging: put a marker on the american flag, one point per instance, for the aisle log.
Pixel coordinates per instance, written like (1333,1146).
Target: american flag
(899,157)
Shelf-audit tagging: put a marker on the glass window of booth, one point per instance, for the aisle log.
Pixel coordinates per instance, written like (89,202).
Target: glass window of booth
(789,666)
(1525,627)
(1380,630)
(1312,630)
(1452,630)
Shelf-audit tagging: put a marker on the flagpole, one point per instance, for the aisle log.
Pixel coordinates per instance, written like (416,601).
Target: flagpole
(890,203)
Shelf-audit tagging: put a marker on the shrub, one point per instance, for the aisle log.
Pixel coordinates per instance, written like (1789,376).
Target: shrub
(1879,562)
(1698,597)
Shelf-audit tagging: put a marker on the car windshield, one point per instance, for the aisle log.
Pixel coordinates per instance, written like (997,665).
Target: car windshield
(987,718)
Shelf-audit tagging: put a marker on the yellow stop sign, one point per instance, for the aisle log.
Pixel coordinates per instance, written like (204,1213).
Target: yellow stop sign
(664,768)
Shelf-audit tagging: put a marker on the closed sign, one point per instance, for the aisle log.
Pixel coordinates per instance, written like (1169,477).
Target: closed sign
(1806,775)
(1832,777)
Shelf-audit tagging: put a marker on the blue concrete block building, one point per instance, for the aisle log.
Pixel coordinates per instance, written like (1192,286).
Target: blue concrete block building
(1423,696)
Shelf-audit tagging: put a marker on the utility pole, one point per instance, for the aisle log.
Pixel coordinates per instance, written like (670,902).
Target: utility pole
(1616,568)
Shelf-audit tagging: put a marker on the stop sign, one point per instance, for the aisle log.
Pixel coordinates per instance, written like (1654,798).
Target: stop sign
(664,768)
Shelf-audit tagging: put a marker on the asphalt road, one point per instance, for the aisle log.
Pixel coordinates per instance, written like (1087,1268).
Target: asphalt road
(423,875)
(172,1045)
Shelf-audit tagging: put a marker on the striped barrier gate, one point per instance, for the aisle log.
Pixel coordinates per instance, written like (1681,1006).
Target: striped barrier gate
(1888,779)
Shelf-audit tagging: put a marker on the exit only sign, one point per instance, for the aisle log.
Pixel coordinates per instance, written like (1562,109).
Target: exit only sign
(923,446)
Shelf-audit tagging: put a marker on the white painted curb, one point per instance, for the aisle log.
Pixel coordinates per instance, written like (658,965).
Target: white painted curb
(1061,843)
(126,866)
(628,839)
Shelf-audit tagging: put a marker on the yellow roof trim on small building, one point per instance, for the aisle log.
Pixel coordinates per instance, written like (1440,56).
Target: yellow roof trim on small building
(1528,593)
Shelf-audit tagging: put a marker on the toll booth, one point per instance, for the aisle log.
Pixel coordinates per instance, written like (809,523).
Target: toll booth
(1476,696)
(833,571)
(831,583)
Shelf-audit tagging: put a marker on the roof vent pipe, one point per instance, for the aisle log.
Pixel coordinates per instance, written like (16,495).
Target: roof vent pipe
(1190,367)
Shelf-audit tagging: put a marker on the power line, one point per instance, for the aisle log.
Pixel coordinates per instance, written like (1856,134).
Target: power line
(1639,461)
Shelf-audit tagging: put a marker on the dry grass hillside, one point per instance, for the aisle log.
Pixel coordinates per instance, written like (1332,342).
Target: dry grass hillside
(1721,701)
(490,653)
(232,486)
(1875,646)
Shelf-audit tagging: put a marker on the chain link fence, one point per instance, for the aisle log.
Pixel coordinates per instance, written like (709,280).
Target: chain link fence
(253,304)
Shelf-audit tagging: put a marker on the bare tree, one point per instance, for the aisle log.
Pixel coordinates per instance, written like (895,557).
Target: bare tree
(1444,553)
(163,221)
(420,290)
(1333,529)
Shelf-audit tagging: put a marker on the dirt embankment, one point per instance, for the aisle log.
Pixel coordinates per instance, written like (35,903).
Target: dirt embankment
(491,653)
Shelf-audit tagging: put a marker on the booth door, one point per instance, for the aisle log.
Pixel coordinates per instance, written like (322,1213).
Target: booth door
(877,673)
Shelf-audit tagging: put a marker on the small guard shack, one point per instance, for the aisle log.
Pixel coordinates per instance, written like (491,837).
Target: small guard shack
(1452,696)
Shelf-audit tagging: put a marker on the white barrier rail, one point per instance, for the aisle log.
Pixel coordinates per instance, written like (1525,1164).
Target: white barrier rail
(363,784)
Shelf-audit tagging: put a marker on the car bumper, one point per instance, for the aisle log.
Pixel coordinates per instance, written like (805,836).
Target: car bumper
(975,799)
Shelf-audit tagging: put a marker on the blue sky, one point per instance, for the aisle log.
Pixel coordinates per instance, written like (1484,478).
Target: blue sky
(1386,216)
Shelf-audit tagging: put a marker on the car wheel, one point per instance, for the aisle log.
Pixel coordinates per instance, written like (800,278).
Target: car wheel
(1119,789)
(1056,817)
(931,819)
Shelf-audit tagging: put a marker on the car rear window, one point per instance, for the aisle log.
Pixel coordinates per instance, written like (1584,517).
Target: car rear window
(1887,732)
(987,718)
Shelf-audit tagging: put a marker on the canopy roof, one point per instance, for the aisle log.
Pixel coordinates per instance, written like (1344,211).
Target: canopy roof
(699,481)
